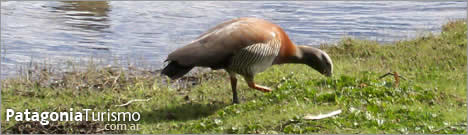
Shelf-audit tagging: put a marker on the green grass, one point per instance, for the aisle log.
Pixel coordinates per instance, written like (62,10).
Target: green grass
(431,100)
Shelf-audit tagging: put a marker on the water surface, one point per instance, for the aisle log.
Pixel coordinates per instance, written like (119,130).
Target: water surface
(143,33)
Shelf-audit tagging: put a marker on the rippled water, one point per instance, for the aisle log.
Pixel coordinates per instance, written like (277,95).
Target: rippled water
(143,33)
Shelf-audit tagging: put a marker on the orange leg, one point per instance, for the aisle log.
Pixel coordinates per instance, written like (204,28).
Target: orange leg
(252,85)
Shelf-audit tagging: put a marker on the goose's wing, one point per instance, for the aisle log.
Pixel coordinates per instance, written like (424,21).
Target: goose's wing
(215,47)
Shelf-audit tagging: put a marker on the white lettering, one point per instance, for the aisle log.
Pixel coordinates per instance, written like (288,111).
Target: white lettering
(137,114)
(10,113)
(94,118)
(26,113)
(71,114)
(114,118)
(79,116)
(44,116)
(35,116)
(86,113)
(19,116)
(63,116)
(54,116)
(123,114)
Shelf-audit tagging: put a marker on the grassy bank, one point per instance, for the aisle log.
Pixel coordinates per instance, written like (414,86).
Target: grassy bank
(430,97)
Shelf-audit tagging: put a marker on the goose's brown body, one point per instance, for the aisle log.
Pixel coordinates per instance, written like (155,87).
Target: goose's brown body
(245,46)
(215,47)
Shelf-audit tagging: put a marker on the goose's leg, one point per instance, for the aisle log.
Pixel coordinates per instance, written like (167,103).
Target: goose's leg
(251,83)
(233,78)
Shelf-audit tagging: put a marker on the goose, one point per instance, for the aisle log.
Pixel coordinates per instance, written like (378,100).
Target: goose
(244,46)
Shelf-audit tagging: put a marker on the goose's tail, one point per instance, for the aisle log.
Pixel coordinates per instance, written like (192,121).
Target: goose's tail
(174,70)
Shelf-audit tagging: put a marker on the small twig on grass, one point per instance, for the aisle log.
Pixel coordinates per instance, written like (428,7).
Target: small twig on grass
(321,116)
(134,100)
(396,76)
(115,80)
(390,73)
(100,130)
(449,126)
